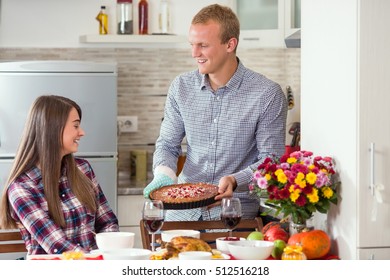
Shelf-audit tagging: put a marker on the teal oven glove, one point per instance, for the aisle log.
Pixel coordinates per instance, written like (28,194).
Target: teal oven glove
(158,181)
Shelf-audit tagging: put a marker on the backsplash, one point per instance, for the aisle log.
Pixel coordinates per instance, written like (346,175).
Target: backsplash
(144,76)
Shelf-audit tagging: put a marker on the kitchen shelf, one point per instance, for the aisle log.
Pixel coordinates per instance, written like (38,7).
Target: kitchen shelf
(96,38)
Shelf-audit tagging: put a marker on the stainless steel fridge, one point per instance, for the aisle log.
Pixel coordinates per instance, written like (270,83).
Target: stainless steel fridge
(92,85)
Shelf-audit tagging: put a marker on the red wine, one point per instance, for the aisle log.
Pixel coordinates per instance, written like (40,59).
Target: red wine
(231,222)
(153,224)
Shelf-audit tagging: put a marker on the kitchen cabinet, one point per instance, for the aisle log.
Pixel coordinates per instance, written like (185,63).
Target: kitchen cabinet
(130,214)
(266,23)
(149,39)
(181,14)
(345,98)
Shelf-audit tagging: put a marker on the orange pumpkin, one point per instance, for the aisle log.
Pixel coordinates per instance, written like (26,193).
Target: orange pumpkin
(315,243)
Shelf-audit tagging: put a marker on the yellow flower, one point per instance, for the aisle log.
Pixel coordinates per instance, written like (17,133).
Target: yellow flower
(327,192)
(282,178)
(294,194)
(299,180)
(313,196)
(324,171)
(291,160)
(311,178)
(267,177)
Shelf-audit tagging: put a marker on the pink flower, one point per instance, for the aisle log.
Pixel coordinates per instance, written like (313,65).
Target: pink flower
(262,183)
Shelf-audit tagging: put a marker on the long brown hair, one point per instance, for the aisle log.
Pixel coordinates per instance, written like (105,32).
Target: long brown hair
(41,146)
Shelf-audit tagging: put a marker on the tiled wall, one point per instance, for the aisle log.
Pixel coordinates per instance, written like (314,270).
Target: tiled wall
(143,79)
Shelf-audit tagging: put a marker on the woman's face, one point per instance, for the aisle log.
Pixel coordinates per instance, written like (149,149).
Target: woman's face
(72,133)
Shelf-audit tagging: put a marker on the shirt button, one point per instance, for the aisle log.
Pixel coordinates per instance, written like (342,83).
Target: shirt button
(63,195)
(55,250)
(215,120)
(218,98)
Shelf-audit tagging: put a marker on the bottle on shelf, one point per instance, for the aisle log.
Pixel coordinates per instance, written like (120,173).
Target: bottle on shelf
(124,14)
(143,17)
(102,18)
(164,17)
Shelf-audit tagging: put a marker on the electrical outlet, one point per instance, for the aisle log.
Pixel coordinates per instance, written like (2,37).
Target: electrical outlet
(128,123)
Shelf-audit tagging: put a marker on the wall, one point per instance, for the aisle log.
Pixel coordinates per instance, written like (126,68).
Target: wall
(50,30)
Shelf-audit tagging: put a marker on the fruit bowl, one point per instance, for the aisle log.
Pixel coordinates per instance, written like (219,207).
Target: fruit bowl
(221,243)
(251,249)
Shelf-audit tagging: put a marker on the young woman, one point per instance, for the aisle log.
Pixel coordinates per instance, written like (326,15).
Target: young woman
(52,196)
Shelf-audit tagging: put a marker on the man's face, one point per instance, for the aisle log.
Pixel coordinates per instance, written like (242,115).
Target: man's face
(210,54)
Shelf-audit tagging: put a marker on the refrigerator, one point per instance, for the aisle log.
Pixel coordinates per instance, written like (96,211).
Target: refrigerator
(92,85)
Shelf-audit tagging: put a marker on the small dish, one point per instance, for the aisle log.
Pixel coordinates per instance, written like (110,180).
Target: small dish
(221,243)
(115,240)
(251,249)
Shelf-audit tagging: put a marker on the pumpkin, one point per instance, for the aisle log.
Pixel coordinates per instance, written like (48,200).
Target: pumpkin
(315,243)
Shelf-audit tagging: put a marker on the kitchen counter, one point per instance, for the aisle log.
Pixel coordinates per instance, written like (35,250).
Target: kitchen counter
(130,191)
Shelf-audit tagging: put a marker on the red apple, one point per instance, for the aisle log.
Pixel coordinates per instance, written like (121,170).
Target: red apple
(275,233)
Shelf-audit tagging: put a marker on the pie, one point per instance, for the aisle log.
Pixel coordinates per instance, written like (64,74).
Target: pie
(186,196)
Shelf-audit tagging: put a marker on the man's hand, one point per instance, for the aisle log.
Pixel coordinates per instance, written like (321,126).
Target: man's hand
(159,180)
(225,189)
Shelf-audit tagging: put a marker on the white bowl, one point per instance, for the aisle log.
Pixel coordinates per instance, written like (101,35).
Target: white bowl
(251,249)
(127,254)
(221,243)
(114,240)
(195,255)
(167,235)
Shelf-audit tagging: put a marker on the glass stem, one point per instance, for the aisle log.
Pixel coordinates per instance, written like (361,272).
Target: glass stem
(153,242)
(230,233)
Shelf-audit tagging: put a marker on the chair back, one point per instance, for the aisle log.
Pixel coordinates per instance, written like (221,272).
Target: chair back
(11,242)
(205,227)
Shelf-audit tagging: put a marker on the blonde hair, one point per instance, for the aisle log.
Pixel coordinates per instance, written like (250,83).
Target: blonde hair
(227,19)
(41,146)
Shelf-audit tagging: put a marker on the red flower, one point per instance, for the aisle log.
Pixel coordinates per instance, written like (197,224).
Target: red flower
(301,201)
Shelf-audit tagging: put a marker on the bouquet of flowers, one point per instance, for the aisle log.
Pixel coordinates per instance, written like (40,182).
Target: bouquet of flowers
(297,184)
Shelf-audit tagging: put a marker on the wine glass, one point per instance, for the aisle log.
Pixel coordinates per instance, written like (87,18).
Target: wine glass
(153,217)
(231,213)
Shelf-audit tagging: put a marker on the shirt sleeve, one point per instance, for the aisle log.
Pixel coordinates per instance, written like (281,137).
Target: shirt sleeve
(106,220)
(270,133)
(172,132)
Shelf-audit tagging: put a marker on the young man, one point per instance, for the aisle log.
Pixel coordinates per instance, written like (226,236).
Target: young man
(232,118)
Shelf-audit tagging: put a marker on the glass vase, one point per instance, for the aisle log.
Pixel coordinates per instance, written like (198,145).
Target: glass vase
(296,227)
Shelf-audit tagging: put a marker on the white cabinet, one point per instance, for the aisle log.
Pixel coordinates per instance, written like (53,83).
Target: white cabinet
(130,214)
(266,23)
(345,107)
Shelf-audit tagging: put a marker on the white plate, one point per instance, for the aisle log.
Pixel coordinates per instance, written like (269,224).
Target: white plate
(58,256)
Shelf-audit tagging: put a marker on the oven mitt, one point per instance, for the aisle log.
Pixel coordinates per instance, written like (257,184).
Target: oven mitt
(163,176)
